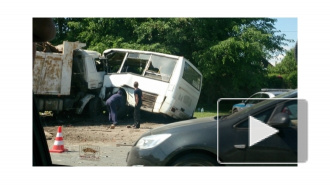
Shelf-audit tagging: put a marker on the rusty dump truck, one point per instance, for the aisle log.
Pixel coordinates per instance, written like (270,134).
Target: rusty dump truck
(69,80)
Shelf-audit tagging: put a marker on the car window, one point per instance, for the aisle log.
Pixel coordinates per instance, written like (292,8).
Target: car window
(253,101)
(291,109)
(293,112)
(262,116)
(264,96)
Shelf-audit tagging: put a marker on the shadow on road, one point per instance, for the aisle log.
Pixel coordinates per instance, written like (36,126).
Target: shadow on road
(102,119)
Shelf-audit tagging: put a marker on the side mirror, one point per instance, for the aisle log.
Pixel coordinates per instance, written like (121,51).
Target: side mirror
(280,120)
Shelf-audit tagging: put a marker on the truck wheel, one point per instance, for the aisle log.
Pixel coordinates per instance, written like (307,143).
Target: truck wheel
(197,159)
(122,111)
(94,107)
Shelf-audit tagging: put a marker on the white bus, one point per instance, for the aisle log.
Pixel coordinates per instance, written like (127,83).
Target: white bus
(171,85)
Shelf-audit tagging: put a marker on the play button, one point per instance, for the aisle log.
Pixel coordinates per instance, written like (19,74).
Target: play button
(259,131)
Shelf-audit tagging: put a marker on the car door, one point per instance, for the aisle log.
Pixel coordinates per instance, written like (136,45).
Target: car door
(240,135)
(282,146)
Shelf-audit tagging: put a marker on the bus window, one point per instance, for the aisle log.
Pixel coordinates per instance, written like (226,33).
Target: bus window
(160,68)
(191,76)
(114,60)
(135,63)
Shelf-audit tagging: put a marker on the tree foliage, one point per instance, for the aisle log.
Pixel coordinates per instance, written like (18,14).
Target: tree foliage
(287,69)
(287,65)
(230,52)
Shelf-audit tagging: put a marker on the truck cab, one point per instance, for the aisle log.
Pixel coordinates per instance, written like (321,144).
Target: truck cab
(87,69)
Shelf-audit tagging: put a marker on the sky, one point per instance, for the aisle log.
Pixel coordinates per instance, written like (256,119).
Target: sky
(287,26)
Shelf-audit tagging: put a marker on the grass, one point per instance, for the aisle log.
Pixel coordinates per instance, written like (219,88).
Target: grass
(209,113)
(211,110)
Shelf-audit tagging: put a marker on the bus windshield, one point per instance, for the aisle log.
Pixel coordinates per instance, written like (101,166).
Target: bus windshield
(160,68)
(147,65)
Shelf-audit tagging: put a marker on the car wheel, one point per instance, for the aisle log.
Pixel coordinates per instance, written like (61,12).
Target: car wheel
(195,160)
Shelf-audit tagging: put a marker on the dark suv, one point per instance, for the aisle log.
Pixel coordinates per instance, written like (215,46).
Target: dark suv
(195,142)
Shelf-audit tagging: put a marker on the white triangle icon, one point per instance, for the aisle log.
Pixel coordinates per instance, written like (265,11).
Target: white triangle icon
(259,131)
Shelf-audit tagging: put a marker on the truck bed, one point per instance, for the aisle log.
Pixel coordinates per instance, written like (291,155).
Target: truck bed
(52,72)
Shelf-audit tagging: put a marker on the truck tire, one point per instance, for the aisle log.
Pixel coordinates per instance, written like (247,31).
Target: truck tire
(94,107)
(122,111)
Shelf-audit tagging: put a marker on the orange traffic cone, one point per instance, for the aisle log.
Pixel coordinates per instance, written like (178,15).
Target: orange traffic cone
(58,146)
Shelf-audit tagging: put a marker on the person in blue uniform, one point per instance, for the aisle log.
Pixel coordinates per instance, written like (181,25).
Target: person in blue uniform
(113,104)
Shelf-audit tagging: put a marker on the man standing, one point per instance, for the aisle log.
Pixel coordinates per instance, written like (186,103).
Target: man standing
(113,104)
(138,104)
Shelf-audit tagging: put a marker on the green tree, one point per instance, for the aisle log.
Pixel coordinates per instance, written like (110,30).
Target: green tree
(234,66)
(230,52)
(287,69)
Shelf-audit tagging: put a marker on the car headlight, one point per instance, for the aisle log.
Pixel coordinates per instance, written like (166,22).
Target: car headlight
(151,141)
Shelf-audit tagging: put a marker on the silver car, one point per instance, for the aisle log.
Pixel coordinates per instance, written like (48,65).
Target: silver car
(264,93)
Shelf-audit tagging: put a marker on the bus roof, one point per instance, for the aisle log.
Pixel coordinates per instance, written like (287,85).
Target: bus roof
(141,51)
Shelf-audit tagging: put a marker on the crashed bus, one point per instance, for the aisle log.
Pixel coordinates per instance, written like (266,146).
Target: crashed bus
(171,85)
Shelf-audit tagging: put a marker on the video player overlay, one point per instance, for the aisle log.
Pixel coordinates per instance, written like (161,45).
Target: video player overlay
(262,131)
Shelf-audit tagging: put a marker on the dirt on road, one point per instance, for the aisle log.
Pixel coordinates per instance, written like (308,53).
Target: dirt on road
(80,130)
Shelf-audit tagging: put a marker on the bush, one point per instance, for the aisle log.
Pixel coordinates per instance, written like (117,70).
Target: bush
(291,80)
(275,81)
(286,81)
